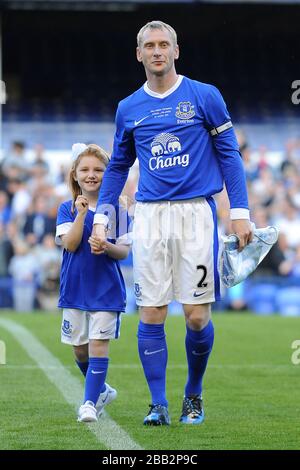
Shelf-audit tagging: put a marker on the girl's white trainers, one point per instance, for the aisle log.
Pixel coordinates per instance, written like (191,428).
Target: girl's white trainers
(105,398)
(87,413)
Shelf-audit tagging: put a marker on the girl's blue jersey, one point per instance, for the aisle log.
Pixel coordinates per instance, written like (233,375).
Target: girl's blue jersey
(91,282)
(184,142)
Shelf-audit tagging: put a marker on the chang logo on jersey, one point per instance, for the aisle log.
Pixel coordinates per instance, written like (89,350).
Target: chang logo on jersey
(163,147)
(185,110)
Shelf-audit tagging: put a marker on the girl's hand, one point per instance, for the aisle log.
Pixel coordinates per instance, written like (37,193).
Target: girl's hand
(98,234)
(82,205)
(98,246)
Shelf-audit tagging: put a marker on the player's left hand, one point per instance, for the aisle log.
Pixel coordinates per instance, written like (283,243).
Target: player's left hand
(243,230)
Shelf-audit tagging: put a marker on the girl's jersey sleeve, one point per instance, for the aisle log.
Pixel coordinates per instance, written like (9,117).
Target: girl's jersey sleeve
(64,222)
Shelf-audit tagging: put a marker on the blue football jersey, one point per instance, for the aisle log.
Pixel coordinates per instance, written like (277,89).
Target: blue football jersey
(185,144)
(91,282)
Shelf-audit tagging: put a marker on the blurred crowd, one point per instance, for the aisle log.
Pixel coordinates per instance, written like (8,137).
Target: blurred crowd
(30,193)
(274,199)
(29,258)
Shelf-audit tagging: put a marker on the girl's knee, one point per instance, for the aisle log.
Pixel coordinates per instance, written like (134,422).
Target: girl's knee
(81,352)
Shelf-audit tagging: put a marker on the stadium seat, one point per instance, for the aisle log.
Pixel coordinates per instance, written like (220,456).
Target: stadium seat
(174,308)
(6,292)
(288,301)
(131,306)
(262,299)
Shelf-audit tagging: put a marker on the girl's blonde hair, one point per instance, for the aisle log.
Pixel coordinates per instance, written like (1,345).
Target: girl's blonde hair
(92,150)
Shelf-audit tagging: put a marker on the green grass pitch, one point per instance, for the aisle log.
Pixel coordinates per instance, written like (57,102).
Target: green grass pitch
(251,388)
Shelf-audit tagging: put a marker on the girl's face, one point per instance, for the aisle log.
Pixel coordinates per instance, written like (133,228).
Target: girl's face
(89,174)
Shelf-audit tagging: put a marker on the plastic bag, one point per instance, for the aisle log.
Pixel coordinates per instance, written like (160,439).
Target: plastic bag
(235,266)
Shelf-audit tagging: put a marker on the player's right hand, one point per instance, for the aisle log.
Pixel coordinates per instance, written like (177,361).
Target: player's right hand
(99,231)
(82,204)
(243,230)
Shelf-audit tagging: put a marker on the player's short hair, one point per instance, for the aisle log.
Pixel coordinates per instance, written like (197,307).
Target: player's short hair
(91,150)
(156,24)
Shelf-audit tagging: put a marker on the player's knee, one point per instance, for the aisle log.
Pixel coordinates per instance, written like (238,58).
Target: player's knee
(195,323)
(98,348)
(197,318)
(153,314)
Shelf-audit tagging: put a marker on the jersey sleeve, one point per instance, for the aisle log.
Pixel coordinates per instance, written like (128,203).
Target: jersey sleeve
(219,125)
(115,176)
(62,229)
(215,111)
(64,222)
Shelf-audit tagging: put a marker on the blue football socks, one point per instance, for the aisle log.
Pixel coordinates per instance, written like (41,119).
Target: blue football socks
(198,346)
(83,366)
(154,356)
(95,378)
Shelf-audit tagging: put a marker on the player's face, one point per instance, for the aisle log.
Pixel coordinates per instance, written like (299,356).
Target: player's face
(89,174)
(157,52)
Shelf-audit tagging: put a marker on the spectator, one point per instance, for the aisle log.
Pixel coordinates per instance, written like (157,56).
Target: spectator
(5,211)
(38,223)
(49,256)
(289,224)
(24,268)
(6,253)
(14,164)
(21,198)
(39,165)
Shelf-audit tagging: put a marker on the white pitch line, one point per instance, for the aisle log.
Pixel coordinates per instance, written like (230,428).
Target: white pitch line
(106,430)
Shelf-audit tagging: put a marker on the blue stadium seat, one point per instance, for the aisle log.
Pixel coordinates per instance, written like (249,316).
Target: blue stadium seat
(288,301)
(6,292)
(261,298)
(131,306)
(175,308)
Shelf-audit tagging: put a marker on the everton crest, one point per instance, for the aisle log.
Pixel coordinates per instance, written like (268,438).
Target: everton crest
(185,110)
(66,328)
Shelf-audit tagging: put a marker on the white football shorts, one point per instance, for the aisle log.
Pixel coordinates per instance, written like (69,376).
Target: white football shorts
(175,252)
(79,326)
